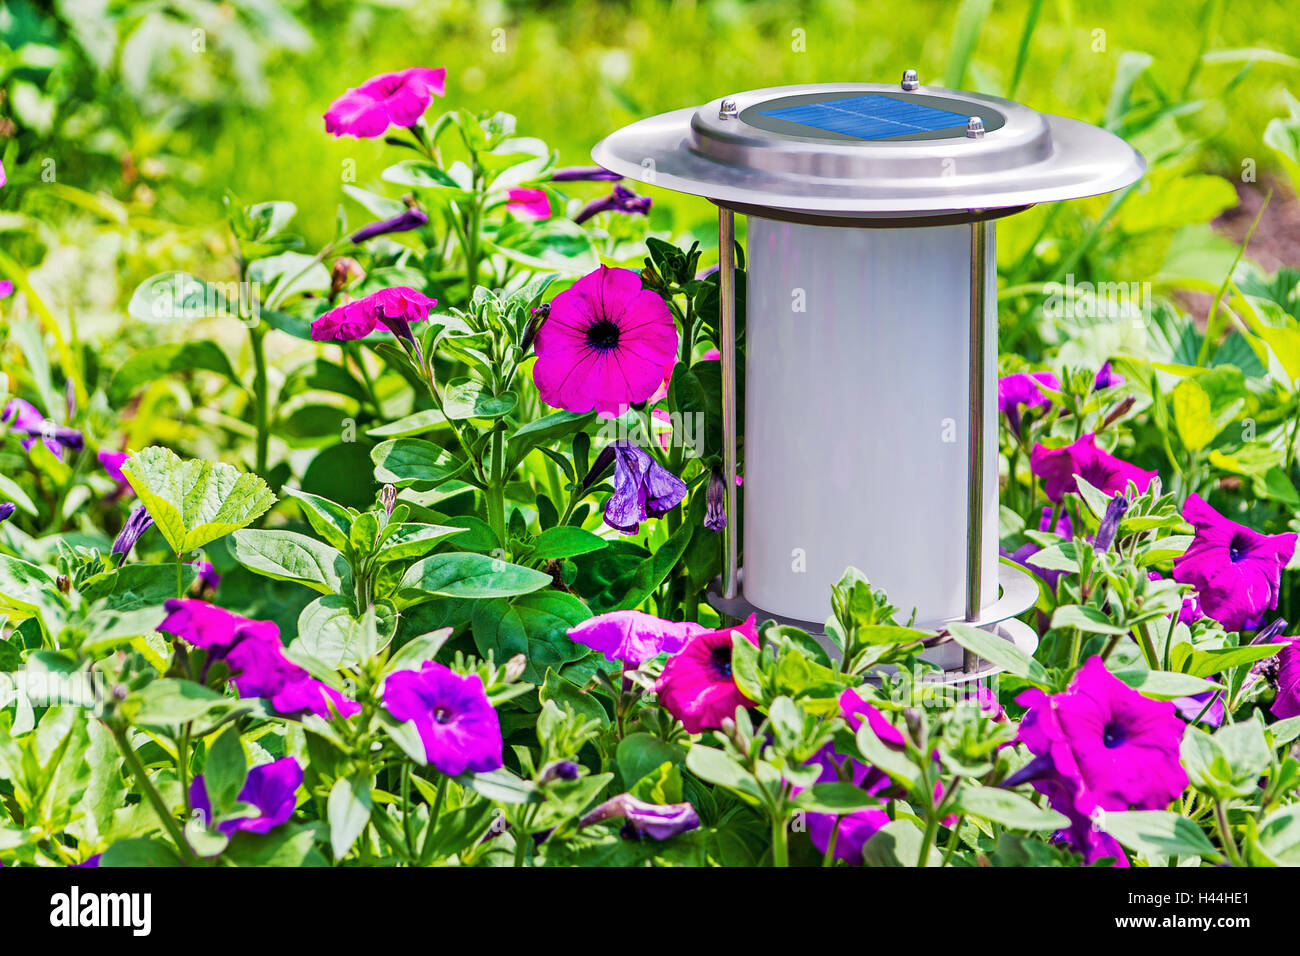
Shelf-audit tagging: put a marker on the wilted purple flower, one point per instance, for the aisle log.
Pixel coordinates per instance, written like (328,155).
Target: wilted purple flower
(621,199)
(1100,745)
(271,788)
(633,637)
(1236,571)
(1109,526)
(455,719)
(642,489)
(656,821)
(405,221)
(6,509)
(208,578)
(560,770)
(715,503)
(137,524)
(25,418)
(576,174)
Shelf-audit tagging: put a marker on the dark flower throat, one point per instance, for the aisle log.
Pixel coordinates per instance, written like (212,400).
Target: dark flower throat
(602,335)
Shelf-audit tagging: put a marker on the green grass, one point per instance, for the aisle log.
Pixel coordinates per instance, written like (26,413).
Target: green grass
(573,72)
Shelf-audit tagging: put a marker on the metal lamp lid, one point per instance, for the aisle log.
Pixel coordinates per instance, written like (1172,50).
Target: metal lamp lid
(870,150)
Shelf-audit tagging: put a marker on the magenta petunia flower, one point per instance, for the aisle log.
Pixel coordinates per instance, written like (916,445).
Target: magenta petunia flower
(389,99)
(633,637)
(1106,378)
(642,489)
(1058,466)
(1021,390)
(1100,745)
(456,721)
(696,685)
(1208,706)
(255,656)
(111,462)
(606,344)
(1236,571)
(652,820)
(271,788)
(1190,612)
(395,309)
(529,203)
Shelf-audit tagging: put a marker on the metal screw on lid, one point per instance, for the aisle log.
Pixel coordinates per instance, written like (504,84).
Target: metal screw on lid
(727,110)
(910,81)
(975,128)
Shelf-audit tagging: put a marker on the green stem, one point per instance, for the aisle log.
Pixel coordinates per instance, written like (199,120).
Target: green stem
(426,848)
(408,825)
(151,794)
(257,336)
(1225,833)
(780,848)
(953,840)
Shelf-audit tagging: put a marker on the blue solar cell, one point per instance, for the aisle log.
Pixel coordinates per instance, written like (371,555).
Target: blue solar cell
(871,116)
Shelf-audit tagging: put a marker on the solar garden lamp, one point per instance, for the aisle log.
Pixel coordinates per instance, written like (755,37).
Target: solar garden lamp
(870,419)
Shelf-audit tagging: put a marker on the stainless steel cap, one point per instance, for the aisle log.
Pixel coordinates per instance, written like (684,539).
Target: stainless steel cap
(793,148)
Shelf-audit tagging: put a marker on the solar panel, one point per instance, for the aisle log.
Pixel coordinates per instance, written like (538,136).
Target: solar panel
(869,117)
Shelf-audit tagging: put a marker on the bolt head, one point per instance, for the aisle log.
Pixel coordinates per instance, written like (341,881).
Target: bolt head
(975,128)
(910,81)
(727,110)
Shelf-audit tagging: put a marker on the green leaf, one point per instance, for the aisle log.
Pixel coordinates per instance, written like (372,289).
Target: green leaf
(412,539)
(289,556)
(1158,833)
(423,174)
(1165,685)
(1090,620)
(897,843)
(224,772)
(651,572)
(330,520)
(413,462)
(177,297)
(640,754)
(543,431)
(557,244)
(348,811)
(999,653)
(329,634)
(149,365)
(1009,809)
(417,423)
(468,575)
(21,584)
(535,625)
(568,694)
(195,502)
(170,702)
(468,398)
(565,541)
(1192,415)
(138,852)
(837,797)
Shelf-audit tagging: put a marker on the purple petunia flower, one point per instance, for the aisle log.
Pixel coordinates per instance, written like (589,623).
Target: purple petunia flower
(111,462)
(405,221)
(389,99)
(137,524)
(271,788)
(1100,745)
(1058,466)
(6,509)
(575,174)
(25,418)
(208,578)
(394,308)
(255,656)
(621,199)
(1021,391)
(6,287)
(1108,528)
(642,489)
(456,721)
(1106,378)
(697,686)
(633,637)
(90,860)
(1287,702)
(1199,705)
(1190,612)
(1235,570)
(656,821)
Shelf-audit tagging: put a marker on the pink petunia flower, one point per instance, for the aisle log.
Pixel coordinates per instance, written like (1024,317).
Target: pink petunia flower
(1058,466)
(1100,745)
(633,637)
(111,461)
(529,204)
(456,721)
(696,685)
(606,344)
(395,309)
(1235,570)
(389,99)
